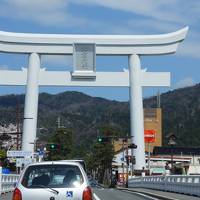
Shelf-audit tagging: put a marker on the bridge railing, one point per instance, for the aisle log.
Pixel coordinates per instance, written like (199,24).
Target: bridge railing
(7,182)
(176,183)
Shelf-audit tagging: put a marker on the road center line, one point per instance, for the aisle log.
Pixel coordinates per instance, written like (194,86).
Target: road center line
(96,197)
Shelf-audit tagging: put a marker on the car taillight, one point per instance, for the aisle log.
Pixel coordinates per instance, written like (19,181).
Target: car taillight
(87,194)
(17,195)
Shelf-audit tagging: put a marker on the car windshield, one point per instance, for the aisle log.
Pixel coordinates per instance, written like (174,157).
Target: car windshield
(53,175)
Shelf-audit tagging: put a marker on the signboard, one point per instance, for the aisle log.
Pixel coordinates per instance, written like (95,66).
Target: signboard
(19,153)
(20,162)
(84,59)
(149,136)
(121,177)
(158,170)
(41,153)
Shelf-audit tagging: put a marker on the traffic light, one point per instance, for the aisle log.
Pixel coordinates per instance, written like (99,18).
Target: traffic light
(53,146)
(99,139)
(102,139)
(132,146)
(127,160)
(133,160)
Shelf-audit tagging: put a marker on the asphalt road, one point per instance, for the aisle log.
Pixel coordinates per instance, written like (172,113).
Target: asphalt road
(112,194)
(100,194)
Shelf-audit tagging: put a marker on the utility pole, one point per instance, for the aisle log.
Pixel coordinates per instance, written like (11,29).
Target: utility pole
(123,160)
(18,132)
(18,124)
(149,156)
(58,122)
(132,146)
(158,99)
(132,168)
(127,163)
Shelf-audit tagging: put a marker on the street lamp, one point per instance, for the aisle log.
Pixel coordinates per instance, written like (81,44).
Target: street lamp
(133,161)
(172,141)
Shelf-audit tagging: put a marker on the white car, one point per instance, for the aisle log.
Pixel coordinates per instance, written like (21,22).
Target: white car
(53,180)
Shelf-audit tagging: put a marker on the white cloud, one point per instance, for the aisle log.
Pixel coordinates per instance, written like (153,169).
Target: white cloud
(145,26)
(170,10)
(148,17)
(152,17)
(57,60)
(4,67)
(186,82)
(190,48)
(45,12)
(57,12)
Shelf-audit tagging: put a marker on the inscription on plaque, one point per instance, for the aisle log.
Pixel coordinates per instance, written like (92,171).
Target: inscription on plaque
(84,58)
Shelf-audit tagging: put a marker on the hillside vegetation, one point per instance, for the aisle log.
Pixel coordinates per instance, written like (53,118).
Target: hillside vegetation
(88,116)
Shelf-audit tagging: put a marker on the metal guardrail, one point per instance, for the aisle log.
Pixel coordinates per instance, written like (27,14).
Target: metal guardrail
(7,182)
(177,183)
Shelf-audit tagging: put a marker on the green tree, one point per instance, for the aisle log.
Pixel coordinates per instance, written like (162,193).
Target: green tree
(64,145)
(110,130)
(4,137)
(100,155)
(99,160)
(2,154)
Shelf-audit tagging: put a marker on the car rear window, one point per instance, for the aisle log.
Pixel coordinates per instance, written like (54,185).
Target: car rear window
(54,176)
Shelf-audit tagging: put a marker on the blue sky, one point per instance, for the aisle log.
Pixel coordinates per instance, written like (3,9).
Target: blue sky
(107,17)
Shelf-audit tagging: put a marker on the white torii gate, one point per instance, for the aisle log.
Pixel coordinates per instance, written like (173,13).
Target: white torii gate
(131,45)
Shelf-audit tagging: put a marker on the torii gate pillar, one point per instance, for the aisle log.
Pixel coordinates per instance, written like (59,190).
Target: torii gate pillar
(31,103)
(136,110)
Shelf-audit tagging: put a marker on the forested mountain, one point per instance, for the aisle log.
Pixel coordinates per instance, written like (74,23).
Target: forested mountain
(181,114)
(87,116)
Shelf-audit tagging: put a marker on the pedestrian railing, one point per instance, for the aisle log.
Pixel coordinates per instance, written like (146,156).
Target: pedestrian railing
(7,182)
(176,183)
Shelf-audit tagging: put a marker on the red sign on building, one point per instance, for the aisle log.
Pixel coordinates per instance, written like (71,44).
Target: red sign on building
(149,136)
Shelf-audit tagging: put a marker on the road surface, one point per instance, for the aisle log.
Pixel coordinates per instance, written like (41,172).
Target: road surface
(101,194)
(112,194)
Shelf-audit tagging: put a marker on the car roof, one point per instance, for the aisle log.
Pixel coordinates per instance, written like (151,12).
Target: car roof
(76,160)
(55,162)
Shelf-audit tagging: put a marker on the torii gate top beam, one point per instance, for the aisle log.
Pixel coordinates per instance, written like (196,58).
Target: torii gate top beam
(105,44)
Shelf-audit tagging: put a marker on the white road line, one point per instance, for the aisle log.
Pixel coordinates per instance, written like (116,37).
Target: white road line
(150,193)
(153,198)
(144,195)
(96,197)
(162,196)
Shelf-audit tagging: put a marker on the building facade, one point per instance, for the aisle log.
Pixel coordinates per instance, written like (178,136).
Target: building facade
(153,121)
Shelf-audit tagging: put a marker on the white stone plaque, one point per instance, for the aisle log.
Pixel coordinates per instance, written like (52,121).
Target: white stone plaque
(84,60)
